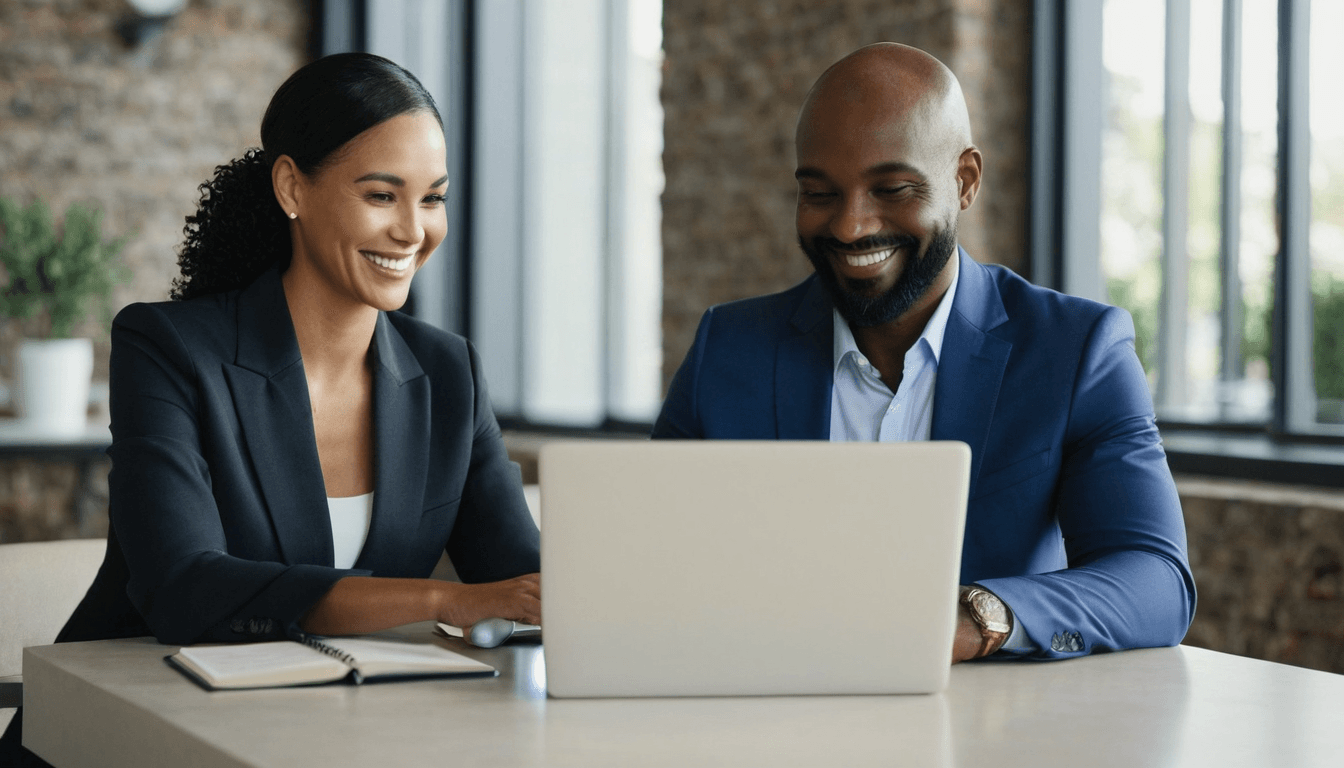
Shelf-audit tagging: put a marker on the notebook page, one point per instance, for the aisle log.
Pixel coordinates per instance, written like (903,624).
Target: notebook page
(378,657)
(256,664)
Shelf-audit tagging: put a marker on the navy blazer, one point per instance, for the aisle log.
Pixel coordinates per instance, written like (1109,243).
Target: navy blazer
(220,529)
(1073,517)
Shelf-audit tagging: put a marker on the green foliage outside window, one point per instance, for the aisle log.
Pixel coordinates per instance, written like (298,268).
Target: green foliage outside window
(1328,340)
(1123,294)
(1327,344)
(1257,328)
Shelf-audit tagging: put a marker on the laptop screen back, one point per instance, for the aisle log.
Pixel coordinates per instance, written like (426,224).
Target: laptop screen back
(750,568)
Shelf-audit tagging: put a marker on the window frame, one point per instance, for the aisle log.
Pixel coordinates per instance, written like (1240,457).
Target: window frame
(538,270)
(1065,207)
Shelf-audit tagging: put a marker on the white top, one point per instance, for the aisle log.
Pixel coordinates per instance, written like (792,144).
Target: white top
(350,518)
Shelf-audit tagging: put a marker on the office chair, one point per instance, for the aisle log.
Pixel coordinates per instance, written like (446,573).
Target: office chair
(43,582)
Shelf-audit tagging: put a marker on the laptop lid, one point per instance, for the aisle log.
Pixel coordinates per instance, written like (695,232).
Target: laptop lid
(694,568)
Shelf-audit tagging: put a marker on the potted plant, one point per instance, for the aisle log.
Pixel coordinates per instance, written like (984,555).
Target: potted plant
(54,280)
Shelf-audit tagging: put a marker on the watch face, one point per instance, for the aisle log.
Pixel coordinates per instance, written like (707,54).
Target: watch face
(991,610)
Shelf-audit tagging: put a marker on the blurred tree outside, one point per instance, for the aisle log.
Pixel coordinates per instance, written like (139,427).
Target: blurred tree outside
(1257,326)
(1123,293)
(1131,217)
(1328,345)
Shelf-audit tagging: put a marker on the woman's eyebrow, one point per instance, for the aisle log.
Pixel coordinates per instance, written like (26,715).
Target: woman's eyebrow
(388,178)
(396,181)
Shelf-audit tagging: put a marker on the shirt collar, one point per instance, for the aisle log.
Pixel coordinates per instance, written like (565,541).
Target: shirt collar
(842,343)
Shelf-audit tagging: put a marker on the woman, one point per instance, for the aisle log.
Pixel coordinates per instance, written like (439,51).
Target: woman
(288,456)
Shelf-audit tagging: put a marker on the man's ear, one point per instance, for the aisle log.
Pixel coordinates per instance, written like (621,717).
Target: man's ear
(287,182)
(969,167)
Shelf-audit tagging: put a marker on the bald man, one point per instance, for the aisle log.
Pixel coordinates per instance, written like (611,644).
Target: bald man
(1074,537)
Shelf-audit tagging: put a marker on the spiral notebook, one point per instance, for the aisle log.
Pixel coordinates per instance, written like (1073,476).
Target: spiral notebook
(319,660)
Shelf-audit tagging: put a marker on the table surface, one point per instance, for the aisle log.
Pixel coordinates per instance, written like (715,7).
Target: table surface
(116,702)
(19,437)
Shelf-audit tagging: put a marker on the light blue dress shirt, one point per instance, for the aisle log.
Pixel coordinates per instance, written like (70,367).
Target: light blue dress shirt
(863,407)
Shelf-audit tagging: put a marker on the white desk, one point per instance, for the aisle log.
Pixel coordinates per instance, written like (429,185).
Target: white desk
(116,703)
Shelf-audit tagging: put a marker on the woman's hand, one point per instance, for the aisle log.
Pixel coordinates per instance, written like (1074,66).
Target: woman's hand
(361,604)
(518,599)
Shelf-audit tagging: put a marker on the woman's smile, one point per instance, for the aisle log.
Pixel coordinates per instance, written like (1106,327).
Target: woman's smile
(392,263)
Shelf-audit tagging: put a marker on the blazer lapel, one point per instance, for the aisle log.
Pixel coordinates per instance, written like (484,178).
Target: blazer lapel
(270,397)
(401,428)
(803,370)
(971,366)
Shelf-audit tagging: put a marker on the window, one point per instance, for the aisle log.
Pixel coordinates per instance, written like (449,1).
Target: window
(566,262)
(553,265)
(1200,150)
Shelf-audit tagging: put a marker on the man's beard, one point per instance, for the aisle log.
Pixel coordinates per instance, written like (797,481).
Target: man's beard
(915,280)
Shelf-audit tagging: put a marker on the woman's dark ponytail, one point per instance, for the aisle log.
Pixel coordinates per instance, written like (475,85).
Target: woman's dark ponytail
(239,230)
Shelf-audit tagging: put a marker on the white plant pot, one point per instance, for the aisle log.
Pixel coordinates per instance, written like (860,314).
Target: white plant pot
(53,392)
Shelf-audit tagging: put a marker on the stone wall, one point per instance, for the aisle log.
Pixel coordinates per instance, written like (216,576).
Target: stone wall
(134,130)
(734,78)
(45,499)
(1269,566)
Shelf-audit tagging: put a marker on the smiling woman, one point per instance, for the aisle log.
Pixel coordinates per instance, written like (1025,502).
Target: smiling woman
(288,457)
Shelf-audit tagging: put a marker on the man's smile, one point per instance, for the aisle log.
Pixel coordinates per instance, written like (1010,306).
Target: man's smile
(867,259)
(865,263)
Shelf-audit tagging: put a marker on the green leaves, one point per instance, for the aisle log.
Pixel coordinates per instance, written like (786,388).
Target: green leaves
(1328,339)
(63,277)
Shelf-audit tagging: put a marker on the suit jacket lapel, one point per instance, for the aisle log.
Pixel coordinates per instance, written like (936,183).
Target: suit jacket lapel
(270,397)
(401,428)
(971,366)
(803,370)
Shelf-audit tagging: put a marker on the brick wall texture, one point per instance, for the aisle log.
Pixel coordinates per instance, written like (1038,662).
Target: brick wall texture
(86,118)
(132,130)
(44,500)
(1270,579)
(734,78)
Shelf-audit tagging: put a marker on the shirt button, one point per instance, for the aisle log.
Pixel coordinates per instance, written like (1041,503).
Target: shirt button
(863,363)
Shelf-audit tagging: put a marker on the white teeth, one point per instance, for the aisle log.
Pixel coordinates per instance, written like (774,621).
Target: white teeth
(865,259)
(393,264)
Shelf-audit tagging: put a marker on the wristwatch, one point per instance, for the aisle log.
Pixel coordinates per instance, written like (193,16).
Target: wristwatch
(990,614)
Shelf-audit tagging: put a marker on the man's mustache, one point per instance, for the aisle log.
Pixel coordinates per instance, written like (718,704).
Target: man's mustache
(872,243)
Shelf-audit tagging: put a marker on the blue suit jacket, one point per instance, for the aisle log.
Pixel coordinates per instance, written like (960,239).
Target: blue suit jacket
(1073,516)
(220,529)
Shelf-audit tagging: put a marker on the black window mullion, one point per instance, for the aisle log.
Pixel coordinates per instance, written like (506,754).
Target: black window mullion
(1047,138)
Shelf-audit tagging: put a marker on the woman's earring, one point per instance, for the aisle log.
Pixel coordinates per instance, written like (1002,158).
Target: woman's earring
(293,215)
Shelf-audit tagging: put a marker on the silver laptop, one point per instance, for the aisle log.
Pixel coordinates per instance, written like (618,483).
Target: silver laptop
(735,568)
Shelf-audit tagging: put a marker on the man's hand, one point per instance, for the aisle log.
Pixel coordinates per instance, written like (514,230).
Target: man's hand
(518,599)
(966,644)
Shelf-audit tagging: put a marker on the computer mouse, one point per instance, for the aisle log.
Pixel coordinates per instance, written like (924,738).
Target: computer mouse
(489,633)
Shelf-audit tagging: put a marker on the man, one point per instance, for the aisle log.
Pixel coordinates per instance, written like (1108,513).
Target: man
(1074,537)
